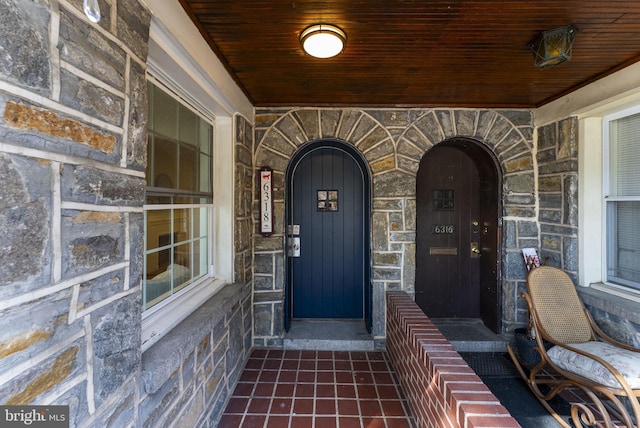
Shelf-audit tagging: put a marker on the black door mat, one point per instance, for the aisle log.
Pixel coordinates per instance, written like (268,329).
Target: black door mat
(490,364)
(500,375)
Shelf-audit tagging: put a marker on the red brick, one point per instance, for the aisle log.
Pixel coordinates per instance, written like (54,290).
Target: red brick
(430,369)
(492,422)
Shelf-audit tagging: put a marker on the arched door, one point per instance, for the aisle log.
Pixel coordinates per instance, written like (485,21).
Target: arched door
(457,230)
(328,209)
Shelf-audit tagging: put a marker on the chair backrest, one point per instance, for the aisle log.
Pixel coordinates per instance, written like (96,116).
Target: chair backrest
(557,305)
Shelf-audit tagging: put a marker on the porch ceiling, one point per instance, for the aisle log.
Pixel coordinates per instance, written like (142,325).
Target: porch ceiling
(415,53)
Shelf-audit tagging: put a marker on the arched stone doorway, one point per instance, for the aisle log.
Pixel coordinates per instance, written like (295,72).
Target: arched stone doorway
(393,142)
(457,233)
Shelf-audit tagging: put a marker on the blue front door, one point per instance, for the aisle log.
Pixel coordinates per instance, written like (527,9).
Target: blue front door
(327,202)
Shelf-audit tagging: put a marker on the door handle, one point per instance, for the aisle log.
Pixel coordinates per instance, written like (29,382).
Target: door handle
(475,250)
(294,246)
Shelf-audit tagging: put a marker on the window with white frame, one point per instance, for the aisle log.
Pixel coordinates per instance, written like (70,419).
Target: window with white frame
(179,202)
(622,197)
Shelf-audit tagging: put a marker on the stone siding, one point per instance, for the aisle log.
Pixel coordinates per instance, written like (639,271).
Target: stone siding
(73,114)
(558,194)
(243,199)
(73,152)
(393,141)
(555,236)
(189,375)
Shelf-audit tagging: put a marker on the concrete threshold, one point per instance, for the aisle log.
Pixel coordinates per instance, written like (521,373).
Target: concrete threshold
(470,335)
(328,335)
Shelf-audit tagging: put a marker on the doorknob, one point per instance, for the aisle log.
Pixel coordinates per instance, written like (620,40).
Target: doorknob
(294,246)
(475,251)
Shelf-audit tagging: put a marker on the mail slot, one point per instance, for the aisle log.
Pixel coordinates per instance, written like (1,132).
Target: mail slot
(443,251)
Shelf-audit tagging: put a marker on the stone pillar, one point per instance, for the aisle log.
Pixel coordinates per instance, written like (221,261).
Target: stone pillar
(72,156)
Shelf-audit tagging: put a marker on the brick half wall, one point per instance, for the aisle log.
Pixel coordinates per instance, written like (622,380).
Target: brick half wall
(442,390)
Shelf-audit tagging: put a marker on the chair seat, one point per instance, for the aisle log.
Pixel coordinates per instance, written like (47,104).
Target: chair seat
(626,362)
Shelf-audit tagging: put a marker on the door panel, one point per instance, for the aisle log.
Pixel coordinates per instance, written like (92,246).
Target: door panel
(489,239)
(463,283)
(328,279)
(447,271)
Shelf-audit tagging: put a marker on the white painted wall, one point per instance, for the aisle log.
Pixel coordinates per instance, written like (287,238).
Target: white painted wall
(170,18)
(620,87)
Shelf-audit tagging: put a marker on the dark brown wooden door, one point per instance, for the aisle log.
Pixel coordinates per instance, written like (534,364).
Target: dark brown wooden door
(456,234)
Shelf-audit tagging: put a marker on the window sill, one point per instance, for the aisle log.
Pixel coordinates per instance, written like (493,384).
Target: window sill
(161,320)
(613,300)
(160,361)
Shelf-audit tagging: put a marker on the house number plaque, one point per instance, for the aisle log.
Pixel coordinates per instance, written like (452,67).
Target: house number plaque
(440,229)
(266,201)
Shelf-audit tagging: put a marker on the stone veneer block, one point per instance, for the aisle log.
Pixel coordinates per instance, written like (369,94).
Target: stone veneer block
(161,360)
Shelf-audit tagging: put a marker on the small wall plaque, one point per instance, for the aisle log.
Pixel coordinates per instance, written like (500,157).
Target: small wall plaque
(266,201)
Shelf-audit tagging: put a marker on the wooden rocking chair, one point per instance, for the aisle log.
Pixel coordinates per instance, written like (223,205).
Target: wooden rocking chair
(577,354)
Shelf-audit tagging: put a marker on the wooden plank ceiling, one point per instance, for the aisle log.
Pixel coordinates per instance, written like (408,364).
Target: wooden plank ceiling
(461,53)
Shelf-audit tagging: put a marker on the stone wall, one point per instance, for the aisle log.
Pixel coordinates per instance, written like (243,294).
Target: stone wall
(73,151)
(73,112)
(393,141)
(558,194)
(189,375)
(557,179)
(243,199)
(557,154)
(616,316)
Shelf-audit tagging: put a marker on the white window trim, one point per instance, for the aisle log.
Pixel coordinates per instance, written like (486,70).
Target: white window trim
(628,292)
(164,316)
(592,182)
(184,79)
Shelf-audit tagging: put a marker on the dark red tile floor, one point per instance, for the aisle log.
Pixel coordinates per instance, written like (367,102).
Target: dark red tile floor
(317,389)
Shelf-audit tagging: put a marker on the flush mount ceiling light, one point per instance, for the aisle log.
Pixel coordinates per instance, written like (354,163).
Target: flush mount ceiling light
(323,40)
(553,47)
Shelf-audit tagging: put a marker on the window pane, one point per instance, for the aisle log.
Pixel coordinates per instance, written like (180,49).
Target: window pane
(154,199)
(625,156)
(165,114)
(200,258)
(157,287)
(159,235)
(623,232)
(183,260)
(179,171)
(189,127)
(188,168)
(206,137)
(165,153)
(200,220)
(182,224)
(205,173)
